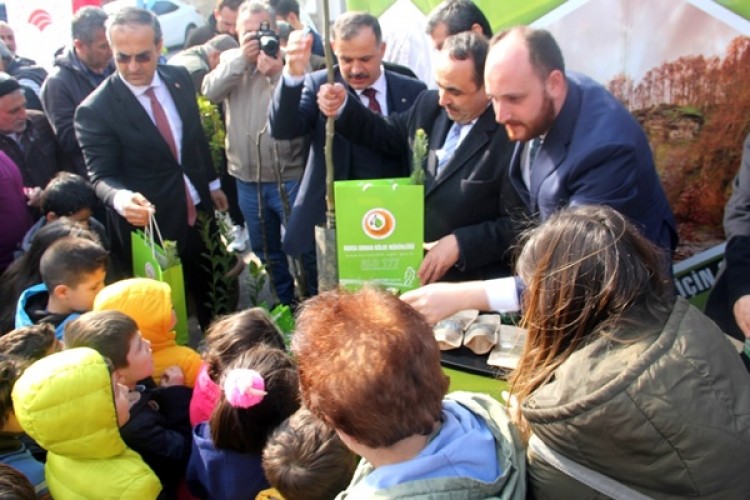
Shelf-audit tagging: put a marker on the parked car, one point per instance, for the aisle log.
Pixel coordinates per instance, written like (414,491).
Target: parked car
(177,19)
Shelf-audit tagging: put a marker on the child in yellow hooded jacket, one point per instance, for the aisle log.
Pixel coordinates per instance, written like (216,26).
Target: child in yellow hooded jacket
(70,404)
(149,303)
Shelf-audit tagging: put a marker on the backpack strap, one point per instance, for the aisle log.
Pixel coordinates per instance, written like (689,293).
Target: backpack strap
(595,480)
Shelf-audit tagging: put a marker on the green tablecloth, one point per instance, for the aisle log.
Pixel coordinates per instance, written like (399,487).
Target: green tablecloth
(463,381)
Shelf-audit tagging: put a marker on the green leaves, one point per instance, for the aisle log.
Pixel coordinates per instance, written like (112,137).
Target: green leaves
(213,128)
(419,148)
(219,263)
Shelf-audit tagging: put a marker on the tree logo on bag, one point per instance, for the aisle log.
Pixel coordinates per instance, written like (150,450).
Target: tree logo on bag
(378,223)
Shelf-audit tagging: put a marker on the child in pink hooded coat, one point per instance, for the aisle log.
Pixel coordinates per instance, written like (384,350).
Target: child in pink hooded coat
(226,339)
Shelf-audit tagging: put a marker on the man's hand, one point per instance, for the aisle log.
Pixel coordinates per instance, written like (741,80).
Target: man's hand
(298,51)
(270,66)
(742,314)
(440,300)
(137,210)
(220,200)
(331,98)
(250,47)
(172,376)
(441,255)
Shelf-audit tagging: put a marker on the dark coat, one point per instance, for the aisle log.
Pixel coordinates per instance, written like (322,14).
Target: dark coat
(294,113)
(201,35)
(195,61)
(31,77)
(41,158)
(734,280)
(472,197)
(662,409)
(159,430)
(597,153)
(65,88)
(222,474)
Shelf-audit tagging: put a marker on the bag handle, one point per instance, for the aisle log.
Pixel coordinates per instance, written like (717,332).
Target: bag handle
(151,229)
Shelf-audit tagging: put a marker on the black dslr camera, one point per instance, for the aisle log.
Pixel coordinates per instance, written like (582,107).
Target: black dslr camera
(268,39)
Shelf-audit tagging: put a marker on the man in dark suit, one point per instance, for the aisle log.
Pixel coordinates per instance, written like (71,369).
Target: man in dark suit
(590,149)
(145,150)
(729,301)
(577,146)
(294,113)
(472,213)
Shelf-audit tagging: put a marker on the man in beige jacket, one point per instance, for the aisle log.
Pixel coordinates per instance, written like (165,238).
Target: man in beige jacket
(267,171)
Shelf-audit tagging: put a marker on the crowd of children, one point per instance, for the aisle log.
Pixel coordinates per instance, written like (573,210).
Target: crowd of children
(97,399)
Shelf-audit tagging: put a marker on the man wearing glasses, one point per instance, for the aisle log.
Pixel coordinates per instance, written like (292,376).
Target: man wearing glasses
(145,150)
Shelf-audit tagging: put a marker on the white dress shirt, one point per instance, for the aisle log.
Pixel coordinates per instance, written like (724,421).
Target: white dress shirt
(380,85)
(175,125)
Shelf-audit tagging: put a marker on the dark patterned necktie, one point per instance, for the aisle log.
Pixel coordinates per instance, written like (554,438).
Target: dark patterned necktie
(373,104)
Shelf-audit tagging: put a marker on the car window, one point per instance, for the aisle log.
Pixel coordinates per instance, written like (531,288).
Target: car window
(163,7)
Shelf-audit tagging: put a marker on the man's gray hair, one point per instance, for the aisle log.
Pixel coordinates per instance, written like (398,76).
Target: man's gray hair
(254,7)
(132,16)
(87,22)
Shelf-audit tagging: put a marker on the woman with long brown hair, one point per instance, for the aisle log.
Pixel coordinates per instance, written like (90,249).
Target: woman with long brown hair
(619,380)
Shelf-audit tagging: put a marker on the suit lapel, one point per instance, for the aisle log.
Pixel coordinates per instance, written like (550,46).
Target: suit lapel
(515,175)
(132,110)
(396,101)
(437,138)
(555,145)
(475,140)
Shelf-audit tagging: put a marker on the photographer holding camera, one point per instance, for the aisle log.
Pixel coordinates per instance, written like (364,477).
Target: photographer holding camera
(267,171)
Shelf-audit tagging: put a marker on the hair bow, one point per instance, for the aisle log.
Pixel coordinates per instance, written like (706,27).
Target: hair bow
(244,388)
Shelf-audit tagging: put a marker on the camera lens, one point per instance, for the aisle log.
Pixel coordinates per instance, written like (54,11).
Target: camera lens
(269,45)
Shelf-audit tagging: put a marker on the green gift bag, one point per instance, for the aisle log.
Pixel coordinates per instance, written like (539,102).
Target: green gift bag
(151,261)
(379,232)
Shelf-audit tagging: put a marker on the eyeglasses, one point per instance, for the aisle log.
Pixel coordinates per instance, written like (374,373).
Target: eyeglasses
(143,57)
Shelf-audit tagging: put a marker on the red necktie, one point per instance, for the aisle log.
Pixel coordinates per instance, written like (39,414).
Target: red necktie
(373,104)
(160,117)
